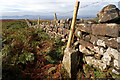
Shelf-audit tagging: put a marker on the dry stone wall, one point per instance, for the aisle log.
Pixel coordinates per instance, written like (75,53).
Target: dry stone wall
(99,43)
(58,28)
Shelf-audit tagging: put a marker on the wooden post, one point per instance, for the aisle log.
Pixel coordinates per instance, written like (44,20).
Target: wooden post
(38,23)
(55,16)
(73,24)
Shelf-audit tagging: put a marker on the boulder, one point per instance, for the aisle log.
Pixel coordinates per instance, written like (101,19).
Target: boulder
(109,13)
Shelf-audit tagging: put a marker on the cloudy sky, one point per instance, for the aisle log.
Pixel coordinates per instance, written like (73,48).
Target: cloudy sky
(49,7)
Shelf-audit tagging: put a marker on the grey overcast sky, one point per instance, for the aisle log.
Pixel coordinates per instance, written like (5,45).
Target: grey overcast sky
(48,7)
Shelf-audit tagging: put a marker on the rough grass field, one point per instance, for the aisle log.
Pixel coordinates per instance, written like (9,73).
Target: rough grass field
(29,53)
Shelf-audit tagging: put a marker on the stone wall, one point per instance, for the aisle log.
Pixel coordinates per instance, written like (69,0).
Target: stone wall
(99,43)
(58,28)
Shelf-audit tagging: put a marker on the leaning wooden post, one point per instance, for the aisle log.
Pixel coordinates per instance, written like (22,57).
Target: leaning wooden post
(70,58)
(38,23)
(55,16)
(73,25)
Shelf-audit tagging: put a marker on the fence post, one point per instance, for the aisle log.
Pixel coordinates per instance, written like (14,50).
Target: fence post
(73,24)
(38,23)
(55,16)
(70,59)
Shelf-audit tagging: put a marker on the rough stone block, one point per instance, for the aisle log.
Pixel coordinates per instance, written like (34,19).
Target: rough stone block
(106,58)
(105,30)
(62,25)
(97,56)
(87,38)
(65,31)
(89,60)
(84,50)
(85,28)
(101,43)
(99,50)
(60,30)
(117,63)
(96,63)
(113,52)
(94,40)
(118,39)
(70,61)
(93,48)
(104,41)
(78,33)
(116,72)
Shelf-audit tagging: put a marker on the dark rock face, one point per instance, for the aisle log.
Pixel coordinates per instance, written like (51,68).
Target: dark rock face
(110,13)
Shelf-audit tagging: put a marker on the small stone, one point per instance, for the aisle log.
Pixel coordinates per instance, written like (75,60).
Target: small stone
(117,64)
(76,43)
(102,66)
(62,25)
(87,38)
(106,58)
(101,43)
(84,50)
(97,56)
(79,33)
(63,40)
(118,39)
(113,52)
(94,40)
(114,71)
(62,21)
(99,50)
(57,21)
(89,60)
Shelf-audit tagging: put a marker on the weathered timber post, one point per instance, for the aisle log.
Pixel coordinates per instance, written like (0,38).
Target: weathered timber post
(70,59)
(28,23)
(73,25)
(38,23)
(55,16)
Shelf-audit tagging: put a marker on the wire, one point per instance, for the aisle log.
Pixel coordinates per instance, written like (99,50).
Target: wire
(80,7)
